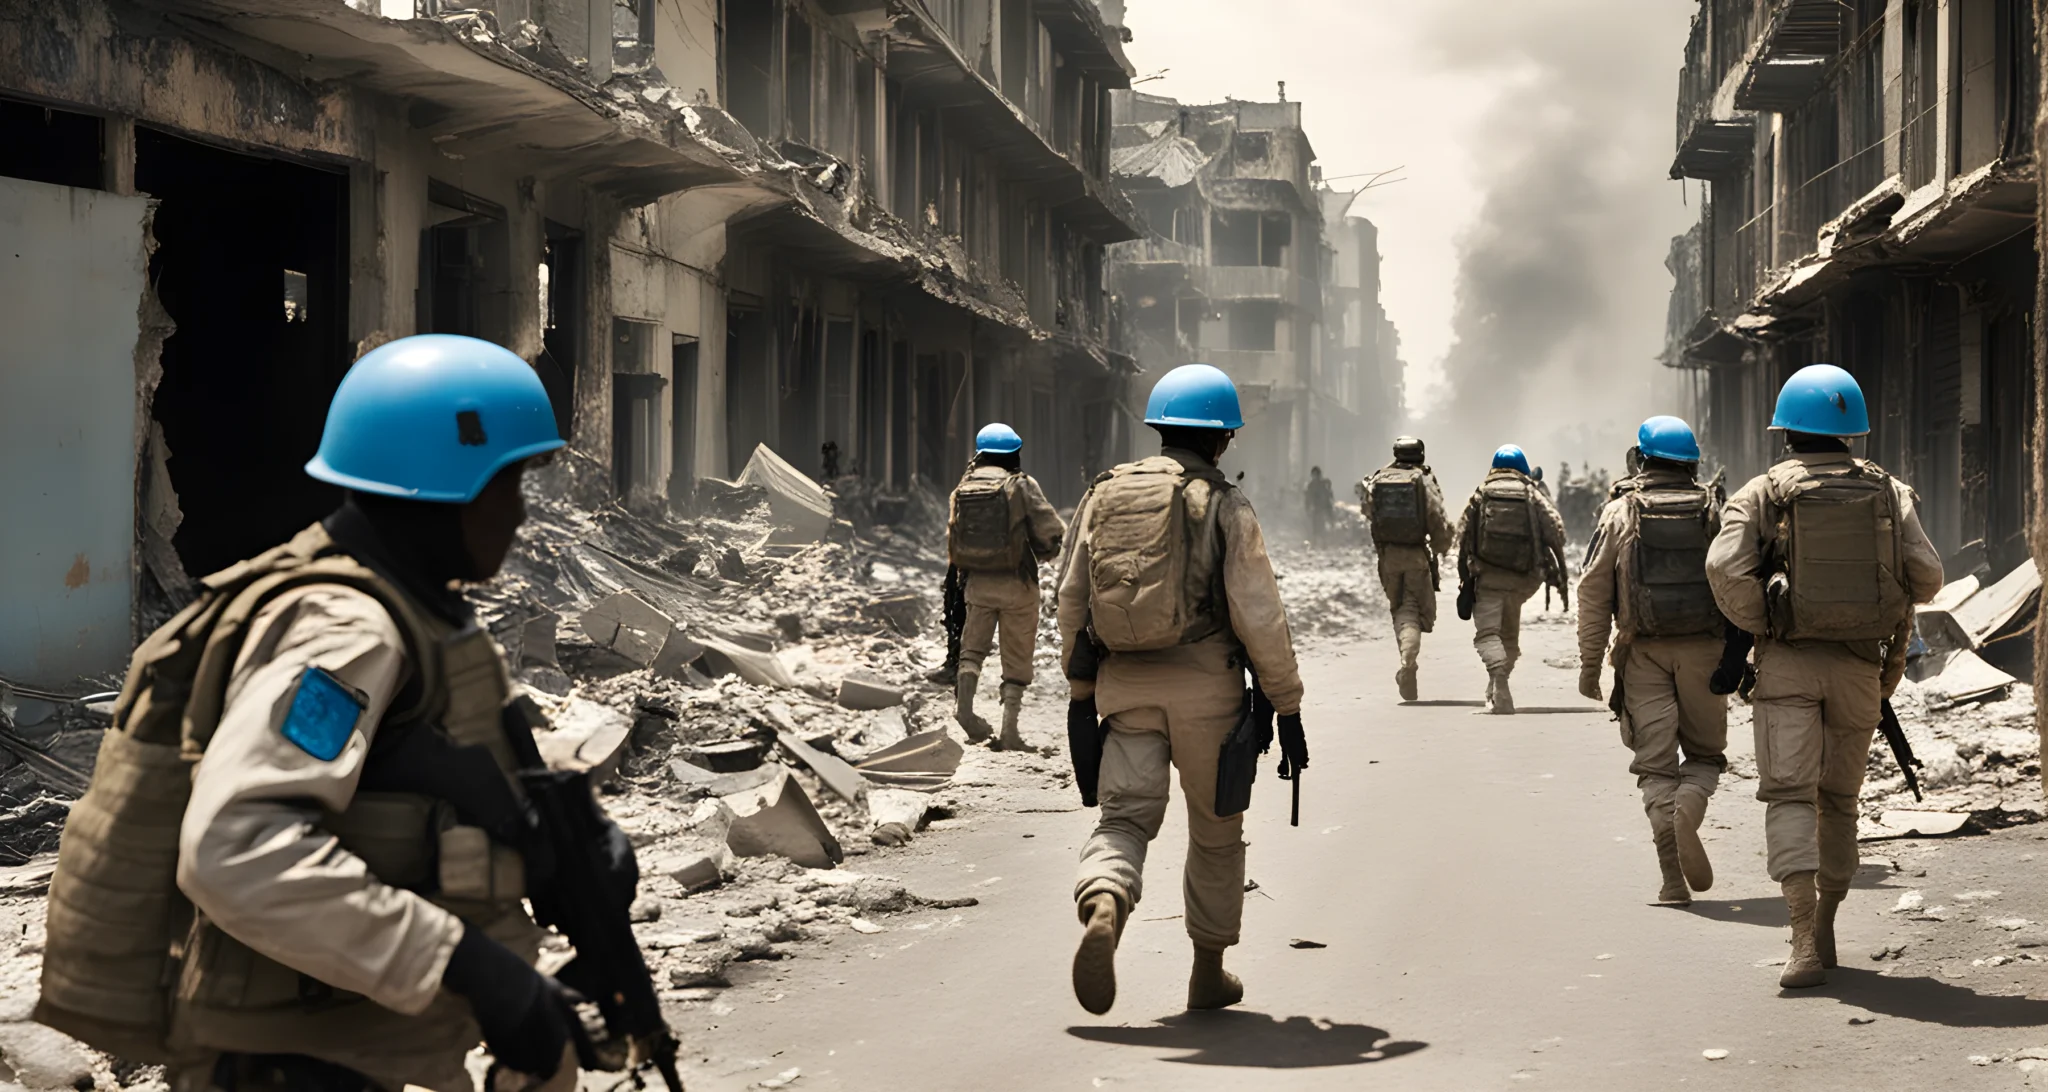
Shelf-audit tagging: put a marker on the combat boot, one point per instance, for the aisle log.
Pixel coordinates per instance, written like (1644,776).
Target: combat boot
(1674,892)
(1212,987)
(971,722)
(1804,968)
(1102,918)
(1498,699)
(1013,704)
(1405,680)
(1691,805)
(1824,926)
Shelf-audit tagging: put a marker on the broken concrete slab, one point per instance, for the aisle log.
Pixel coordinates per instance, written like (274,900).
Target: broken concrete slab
(44,1060)
(759,668)
(858,693)
(888,728)
(2003,607)
(697,781)
(1960,676)
(725,755)
(1954,593)
(896,814)
(903,612)
(923,762)
(778,819)
(801,507)
(635,629)
(694,871)
(1912,824)
(586,736)
(831,769)
(537,639)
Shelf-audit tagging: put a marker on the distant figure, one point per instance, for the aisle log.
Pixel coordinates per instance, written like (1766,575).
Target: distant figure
(830,456)
(1404,508)
(1510,543)
(1321,504)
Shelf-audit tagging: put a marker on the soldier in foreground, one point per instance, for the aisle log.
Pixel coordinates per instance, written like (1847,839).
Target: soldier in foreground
(999,529)
(1510,543)
(364,824)
(1822,558)
(1404,506)
(1167,581)
(1646,576)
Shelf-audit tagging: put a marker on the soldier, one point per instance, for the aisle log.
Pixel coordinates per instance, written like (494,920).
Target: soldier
(1646,573)
(1321,503)
(1404,506)
(999,529)
(352,933)
(1822,558)
(1510,543)
(1167,580)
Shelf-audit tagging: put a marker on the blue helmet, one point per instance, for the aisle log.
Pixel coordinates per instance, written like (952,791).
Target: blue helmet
(1666,437)
(1195,396)
(433,417)
(1510,457)
(998,438)
(1823,400)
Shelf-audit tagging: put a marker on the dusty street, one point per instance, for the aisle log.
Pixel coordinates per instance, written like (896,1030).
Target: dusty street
(1481,886)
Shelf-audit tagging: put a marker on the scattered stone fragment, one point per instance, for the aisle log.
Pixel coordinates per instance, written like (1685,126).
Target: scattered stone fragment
(863,925)
(831,769)
(895,815)
(44,1060)
(725,756)
(859,693)
(778,818)
(586,736)
(924,761)
(1860,1021)
(1714,1054)
(644,909)
(781,1080)
(904,613)
(753,665)
(1910,902)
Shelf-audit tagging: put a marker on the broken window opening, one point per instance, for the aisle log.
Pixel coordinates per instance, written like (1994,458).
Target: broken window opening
(296,302)
(1254,325)
(561,321)
(465,270)
(797,76)
(1234,238)
(244,393)
(57,147)
(682,477)
(750,64)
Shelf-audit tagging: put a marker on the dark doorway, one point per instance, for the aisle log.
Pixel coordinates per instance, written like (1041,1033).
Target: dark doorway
(464,273)
(251,264)
(562,330)
(901,420)
(682,478)
(750,66)
(747,388)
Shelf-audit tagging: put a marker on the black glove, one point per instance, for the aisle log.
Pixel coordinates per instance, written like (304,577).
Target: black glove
(526,1016)
(621,868)
(1735,646)
(1293,745)
(1468,596)
(1085,735)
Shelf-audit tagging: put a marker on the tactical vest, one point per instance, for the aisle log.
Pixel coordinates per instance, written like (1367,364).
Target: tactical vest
(1155,556)
(1669,595)
(984,531)
(1400,508)
(1834,533)
(130,968)
(1507,538)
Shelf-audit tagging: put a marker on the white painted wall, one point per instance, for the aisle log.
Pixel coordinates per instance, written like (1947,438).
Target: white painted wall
(71,280)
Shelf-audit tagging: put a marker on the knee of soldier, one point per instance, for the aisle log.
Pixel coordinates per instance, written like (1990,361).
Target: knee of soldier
(1217,837)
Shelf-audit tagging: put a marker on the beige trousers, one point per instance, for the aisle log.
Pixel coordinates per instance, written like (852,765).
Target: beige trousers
(998,601)
(1497,626)
(1413,602)
(1817,706)
(1676,725)
(1144,747)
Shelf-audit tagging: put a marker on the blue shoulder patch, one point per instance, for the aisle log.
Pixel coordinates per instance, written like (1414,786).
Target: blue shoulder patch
(323,714)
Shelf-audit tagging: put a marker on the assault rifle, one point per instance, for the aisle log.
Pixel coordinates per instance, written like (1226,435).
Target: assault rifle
(954,618)
(1902,749)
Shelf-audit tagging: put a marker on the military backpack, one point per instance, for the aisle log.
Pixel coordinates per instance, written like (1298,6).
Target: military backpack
(1668,589)
(1507,538)
(1833,533)
(985,531)
(1154,555)
(1400,510)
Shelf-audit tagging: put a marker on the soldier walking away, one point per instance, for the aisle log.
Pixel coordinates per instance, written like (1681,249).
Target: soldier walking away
(1822,558)
(1646,579)
(1322,504)
(999,529)
(1166,598)
(349,837)
(1404,507)
(1510,543)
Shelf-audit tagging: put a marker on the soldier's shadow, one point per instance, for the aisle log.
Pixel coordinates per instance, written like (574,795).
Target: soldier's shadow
(1931,1001)
(1254,1039)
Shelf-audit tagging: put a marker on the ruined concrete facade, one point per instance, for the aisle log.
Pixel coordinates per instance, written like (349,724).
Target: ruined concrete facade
(871,223)
(1869,180)
(1234,272)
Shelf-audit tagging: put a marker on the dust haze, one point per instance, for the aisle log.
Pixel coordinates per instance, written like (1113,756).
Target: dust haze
(1561,287)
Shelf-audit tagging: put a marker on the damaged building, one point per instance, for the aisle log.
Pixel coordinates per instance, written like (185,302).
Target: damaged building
(852,230)
(1237,268)
(1868,175)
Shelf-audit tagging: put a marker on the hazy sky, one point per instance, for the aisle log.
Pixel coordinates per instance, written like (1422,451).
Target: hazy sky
(1536,136)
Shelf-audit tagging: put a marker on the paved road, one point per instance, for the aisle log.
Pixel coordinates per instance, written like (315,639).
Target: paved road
(1481,885)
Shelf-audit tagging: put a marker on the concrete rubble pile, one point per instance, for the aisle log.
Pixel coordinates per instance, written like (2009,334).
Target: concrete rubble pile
(1331,593)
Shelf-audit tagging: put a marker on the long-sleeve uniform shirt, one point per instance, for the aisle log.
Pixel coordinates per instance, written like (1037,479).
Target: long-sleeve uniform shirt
(1043,534)
(1210,669)
(1603,609)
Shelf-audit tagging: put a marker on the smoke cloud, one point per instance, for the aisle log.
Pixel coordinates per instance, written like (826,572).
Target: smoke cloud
(1561,288)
